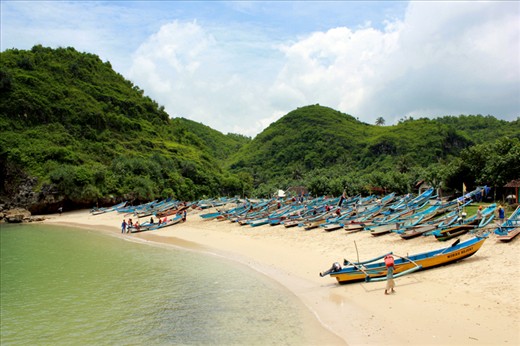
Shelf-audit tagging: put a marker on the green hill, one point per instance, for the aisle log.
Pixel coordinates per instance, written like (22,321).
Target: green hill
(315,145)
(72,130)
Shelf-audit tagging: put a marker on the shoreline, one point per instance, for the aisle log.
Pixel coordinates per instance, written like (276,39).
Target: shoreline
(474,301)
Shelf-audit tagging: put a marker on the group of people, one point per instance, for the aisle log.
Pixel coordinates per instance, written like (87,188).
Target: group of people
(127,226)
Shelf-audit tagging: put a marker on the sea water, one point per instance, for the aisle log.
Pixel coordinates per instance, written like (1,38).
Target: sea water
(65,286)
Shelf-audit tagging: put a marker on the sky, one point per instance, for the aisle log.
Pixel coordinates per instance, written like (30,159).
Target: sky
(238,66)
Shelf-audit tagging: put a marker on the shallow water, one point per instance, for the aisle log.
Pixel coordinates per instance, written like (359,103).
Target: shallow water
(65,286)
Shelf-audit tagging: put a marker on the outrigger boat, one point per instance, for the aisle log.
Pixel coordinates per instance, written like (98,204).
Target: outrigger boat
(97,211)
(467,225)
(169,222)
(510,228)
(375,269)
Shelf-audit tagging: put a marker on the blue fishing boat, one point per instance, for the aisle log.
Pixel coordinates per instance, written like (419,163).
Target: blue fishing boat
(510,228)
(466,225)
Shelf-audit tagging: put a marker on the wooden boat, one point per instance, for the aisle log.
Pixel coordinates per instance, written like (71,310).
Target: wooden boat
(173,210)
(170,222)
(510,235)
(316,221)
(331,227)
(354,227)
(259,222)
(466,226)
(417,231)
(142,228)
(97,211)
(456,230)
(510,228)
(382,229)
(313,224)
(291,223)
(442,222)
(375,269)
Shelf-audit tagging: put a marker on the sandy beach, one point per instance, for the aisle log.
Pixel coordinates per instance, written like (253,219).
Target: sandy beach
(472,302)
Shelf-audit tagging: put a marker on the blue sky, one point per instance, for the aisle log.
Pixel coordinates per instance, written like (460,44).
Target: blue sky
(238,66)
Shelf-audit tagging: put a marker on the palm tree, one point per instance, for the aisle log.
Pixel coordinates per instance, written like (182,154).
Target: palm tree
(380,121)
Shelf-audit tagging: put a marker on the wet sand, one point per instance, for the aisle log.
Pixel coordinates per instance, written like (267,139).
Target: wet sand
(472,302)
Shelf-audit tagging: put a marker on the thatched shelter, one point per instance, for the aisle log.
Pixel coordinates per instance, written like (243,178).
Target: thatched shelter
(515,185)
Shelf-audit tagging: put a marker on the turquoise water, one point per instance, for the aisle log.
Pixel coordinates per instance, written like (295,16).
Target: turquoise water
(62,286)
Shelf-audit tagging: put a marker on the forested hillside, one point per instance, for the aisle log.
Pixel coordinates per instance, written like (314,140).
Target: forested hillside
(72,130)
(329,151)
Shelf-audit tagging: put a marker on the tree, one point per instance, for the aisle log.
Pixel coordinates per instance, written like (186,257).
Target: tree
(434,175)
(380,121)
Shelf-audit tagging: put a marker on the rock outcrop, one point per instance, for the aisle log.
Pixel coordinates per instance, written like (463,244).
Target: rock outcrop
(17,215)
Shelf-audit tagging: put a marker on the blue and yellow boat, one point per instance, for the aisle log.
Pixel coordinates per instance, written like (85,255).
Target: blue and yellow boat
(375,269)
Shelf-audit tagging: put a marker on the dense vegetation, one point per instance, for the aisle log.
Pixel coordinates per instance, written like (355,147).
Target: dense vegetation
(328,151)
(72,130)
(86,133)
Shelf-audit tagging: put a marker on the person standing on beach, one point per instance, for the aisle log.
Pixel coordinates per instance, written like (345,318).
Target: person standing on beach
(479,213)
(60,210)
(501,214)
(390,284)
(123,226)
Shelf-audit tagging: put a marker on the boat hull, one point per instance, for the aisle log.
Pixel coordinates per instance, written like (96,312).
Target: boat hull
(413,233)
(509,236)
(427,260)
(454,232)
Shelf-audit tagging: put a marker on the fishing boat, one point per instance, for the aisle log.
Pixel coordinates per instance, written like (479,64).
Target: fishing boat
(442,222)
(510,235)
(375,269)
(329,227)
(467,225)
(417,231)
(169,222)
(354,227)
(97,211)
(379,230)
(510,228)
(147,226)
(291,223)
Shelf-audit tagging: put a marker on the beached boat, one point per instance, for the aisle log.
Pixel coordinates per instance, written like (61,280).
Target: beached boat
(169,222)
(442,222)
(141,228)
(467,225)
(375,269)
(291,223)
(354,227)
(510,235)
(329,227)
(97,211)
(417,231)
(510,228)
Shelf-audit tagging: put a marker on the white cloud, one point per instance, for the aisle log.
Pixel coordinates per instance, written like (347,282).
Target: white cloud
(444,58)
(194,75)
(237,67)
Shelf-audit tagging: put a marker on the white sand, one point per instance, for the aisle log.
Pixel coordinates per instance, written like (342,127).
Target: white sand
(472,302)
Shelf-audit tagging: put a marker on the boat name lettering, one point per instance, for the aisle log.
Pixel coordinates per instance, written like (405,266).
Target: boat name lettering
(461,252)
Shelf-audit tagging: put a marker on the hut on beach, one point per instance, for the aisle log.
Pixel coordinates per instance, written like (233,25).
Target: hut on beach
(513,185)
